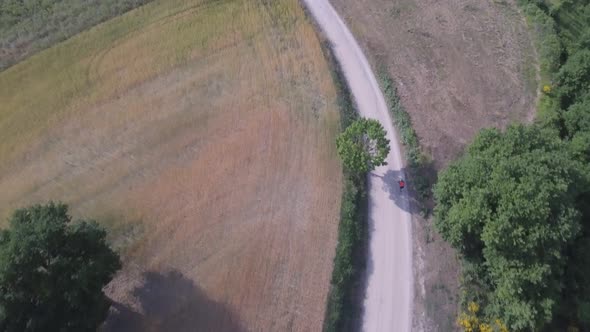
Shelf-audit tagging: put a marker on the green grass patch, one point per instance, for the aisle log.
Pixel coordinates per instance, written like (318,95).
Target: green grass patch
(545,38)
(549,49)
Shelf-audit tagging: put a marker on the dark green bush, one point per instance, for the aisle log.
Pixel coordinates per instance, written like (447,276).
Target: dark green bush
(573,78)
(547,40)
(342,309)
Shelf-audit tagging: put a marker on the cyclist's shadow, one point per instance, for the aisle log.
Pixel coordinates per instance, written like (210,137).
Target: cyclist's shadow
(391,185)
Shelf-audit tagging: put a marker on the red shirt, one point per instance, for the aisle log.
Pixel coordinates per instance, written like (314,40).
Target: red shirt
(402,184)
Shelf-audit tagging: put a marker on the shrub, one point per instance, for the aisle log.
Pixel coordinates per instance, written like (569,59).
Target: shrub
(414,157)
(341,307)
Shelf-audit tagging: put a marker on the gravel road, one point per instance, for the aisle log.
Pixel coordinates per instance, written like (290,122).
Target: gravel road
(388,301)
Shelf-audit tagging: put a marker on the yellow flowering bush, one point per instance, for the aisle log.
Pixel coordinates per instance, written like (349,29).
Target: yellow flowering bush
(547,89)
(469,322)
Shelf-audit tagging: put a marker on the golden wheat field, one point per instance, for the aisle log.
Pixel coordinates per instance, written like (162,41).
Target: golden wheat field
(201,133)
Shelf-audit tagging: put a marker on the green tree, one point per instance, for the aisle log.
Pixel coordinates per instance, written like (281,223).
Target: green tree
(573,78)
(577,117)
(509,206)
(52,271)
(363,146)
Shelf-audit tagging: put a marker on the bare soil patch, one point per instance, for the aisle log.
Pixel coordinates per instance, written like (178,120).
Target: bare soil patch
(202,133)
(460,66)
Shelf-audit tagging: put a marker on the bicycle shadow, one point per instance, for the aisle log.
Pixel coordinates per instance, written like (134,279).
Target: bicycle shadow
(390,184)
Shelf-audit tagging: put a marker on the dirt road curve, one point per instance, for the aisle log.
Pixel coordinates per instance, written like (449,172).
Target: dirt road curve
(388,302)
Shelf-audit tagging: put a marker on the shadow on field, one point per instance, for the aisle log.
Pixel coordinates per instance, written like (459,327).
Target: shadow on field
(171,302)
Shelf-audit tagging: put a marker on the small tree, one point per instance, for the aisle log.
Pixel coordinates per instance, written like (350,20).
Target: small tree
(52,271)
(363,146)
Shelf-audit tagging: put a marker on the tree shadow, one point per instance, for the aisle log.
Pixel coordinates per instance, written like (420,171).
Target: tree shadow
(390,185)
(171,302)
(408,199)
(416,197)
(367,268)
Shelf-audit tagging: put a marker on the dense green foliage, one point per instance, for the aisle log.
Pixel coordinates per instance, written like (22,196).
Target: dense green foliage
(342,309)
(363,146)
(27,26)
(573,79)
(351,233)
(516,205)
(509,205)
(52,271)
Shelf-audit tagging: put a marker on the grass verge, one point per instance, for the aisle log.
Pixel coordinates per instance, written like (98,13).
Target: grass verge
(418,165)
(343,306)
(549,49)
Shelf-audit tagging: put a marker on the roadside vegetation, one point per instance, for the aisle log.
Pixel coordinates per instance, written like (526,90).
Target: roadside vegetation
(417,162)
(516,204)
(459,66)
(53,270)
(362,146)
(27,27)
(343,307)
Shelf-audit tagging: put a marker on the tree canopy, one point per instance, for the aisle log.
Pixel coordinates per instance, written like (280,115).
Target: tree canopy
(509,206)
(363,146)
(573,78)
(52,271)
(517,204)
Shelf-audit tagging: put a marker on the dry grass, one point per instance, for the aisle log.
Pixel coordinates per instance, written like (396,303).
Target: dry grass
(202,134)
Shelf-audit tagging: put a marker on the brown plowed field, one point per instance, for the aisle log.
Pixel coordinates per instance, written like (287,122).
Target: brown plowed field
(201,133)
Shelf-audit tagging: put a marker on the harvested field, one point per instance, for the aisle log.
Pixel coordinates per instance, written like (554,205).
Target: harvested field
(201,133)
(460,66)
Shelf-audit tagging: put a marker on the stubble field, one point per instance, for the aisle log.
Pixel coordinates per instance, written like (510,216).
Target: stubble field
(201,133)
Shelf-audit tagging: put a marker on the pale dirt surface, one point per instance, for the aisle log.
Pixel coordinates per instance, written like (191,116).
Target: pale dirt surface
(460,65)
(219,179)
(388,299)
